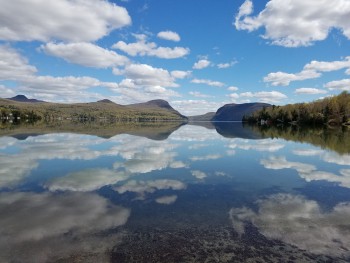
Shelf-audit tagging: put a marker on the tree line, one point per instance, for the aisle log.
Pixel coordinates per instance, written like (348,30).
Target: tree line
(333,110)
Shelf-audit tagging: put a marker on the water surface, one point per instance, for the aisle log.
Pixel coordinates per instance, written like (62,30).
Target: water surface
(174,193)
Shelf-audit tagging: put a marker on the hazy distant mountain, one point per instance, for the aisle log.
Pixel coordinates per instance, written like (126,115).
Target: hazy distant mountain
(22,98)
(235,112)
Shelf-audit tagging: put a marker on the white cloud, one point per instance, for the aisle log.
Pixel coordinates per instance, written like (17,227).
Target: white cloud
(311,20)
(68,89)
(169,35)
(199,95)
(226,65)
(85,54)
(13,66)
(6,92)
(310,91)
(203,63)
(208,82)
(325,66)
(196,107)
(67,20)
(261,96)
(343,84)
(146,75)
(144,48)
(285,217)
(311,70)
(284,79)
(232,88)
(179,74)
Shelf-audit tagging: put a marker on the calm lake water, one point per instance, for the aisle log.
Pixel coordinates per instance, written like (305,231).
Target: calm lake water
(174,193)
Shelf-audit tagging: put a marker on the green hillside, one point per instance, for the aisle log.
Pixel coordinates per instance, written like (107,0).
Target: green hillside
(333,110)
(104,109)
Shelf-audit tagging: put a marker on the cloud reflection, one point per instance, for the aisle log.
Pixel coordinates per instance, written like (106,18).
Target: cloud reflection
(41,227)
(307,171)
(86,180)
(300,222)
(166,200)
(143,187)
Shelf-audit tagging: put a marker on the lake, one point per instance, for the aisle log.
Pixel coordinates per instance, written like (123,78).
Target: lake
(167,192)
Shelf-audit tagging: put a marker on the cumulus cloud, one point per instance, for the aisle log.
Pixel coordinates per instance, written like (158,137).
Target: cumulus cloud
(284,79)
(343,84)
(196,107)
(146,75)
(274,97)
(13,66)
(312,21)
(85,54)
(311,70)
(144,48)
(208,82)
(43,227)
(203,63)
(6,92)
(226,65)
(180,74)
(232,88)
(310,91)
(285,217)
(169,35)
(66,20)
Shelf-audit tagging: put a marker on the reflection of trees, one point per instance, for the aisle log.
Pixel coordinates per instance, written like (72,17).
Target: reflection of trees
(155,130)
(335,139)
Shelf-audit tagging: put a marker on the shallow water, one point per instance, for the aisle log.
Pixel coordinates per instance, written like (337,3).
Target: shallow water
(174,193)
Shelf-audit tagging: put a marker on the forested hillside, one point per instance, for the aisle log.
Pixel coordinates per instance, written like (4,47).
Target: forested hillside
(331,110)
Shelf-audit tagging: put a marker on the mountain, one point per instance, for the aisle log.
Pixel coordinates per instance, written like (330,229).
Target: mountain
(205,117)
(235,112)
(22,98)
(104,109)
(155,105)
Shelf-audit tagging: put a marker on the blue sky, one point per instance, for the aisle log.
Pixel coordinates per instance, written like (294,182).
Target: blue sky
(197,54)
